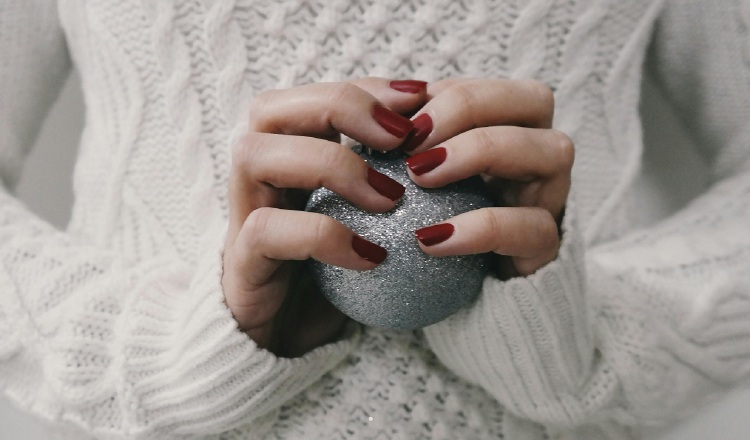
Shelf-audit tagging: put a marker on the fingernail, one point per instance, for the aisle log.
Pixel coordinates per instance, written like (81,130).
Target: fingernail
(385,185)
(391,121)
(426,161)
(422,129)
(408,85)
(435,234)
(368,250)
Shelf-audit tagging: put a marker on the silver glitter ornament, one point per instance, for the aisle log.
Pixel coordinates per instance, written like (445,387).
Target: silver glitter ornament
(410,289)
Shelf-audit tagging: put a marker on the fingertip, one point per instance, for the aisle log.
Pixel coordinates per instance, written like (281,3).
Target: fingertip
(434,234)
(409,86)
(403,96)
(422,127)
(368,250)
(385,185)
(426,161)
(395,124)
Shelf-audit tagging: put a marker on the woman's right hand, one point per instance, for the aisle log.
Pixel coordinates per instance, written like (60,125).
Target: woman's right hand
(293,146)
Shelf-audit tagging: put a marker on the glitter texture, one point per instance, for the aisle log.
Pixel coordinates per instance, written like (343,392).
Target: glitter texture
(410,289)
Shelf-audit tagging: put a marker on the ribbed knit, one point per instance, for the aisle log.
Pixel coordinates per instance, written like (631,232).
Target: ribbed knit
(116,327)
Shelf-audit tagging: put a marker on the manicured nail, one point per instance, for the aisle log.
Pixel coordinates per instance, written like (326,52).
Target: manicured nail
(368,250)
(408,85)
(385,185)
(435,234)
(427,160)
(422,129)
(393,123)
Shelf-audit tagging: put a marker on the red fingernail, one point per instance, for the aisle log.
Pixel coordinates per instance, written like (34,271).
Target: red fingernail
(408,85)
(427,160)
(422,129)
(385,185)
(393,123)
(435,234)
(368,250)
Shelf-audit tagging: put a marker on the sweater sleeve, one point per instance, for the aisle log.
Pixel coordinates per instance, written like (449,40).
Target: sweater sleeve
(640,330)
(100,346)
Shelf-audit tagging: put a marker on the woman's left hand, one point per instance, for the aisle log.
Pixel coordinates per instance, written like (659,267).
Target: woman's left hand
(500,129)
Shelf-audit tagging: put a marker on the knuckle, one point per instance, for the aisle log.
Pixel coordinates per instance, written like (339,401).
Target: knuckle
(566,149)
(546,230)
(543,92)
(463,94)
(340,94)
(492,219)
(231,258)
(545,97)
(256,224)
(241,151)
(438,87)
(323,228)
(485,143)
(263,98)
(368,82)
(244,152)
(333,157)
(257,106)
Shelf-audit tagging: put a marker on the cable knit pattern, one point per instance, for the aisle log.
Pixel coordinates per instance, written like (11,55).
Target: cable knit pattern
(116,328)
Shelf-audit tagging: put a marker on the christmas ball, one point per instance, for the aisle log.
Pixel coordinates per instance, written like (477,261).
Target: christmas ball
(410,289)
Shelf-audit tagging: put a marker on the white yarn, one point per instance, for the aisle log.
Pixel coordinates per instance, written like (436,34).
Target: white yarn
(117,327)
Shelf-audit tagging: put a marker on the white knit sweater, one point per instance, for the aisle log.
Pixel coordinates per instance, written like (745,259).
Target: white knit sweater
(115,328)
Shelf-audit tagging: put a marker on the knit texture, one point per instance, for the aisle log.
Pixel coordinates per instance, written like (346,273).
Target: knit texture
(116,327)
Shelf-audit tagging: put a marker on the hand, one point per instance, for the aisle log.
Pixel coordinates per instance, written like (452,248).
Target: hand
(293,146)
(501,129)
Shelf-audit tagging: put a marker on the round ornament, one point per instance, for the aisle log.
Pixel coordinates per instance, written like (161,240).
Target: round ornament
(410,289)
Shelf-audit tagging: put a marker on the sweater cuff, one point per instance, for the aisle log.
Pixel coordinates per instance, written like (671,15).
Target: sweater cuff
(527,341)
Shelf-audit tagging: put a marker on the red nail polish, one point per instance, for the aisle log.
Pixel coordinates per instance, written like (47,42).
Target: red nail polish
(409,85)
(422,129)
(368,250)
(385,185)
(427,160)
(435,234)
(391,121)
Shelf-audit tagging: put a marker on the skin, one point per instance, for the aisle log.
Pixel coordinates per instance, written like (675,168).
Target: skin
(497,128)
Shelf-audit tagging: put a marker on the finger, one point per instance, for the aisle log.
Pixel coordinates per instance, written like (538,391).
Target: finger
(327,109)
(541,157)
(438,87)
(529,235)
(401,96)
(404,97)
(465,104)
(271,236)
(265,163)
